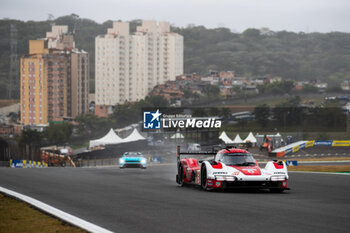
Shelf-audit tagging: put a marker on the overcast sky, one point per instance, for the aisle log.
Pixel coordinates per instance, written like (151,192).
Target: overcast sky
(238,15)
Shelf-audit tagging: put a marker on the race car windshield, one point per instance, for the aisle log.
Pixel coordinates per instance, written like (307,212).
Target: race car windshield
(238,159)
(133,154)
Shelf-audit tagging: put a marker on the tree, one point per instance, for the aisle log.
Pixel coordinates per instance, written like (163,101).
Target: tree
(307,88)
(189,94)
(211,91)
(31,137)
(58,133)
(226,113)
(199,112)
(282,87)
(289,112)
(129,113)
(251,33)
(91,123)
(262,114)
(213,111)
(157,101)
(126,114)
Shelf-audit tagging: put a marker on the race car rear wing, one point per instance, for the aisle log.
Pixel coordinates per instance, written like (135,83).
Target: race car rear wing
(213,152)
(179,153)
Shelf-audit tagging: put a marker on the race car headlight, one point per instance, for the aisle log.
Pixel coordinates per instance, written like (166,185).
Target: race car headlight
(278,178)
(143,161)
(230,178)
(225,178)
(121,160)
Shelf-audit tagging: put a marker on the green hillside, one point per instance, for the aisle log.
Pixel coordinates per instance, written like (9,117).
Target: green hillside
(290,55)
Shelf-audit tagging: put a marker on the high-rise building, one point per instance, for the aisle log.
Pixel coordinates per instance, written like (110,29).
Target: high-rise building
(54,79)
(128,65)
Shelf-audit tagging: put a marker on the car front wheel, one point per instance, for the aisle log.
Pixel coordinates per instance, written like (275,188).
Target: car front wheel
(204,178)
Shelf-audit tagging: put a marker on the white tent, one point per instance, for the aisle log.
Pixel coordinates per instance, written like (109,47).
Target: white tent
(237,139)
(177,136)
(225,138)
(129,127)
(110,138)
(134,136)
(278,134)
(250,138)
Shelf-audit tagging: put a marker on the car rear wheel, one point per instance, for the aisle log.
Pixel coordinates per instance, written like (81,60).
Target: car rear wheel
(181,175)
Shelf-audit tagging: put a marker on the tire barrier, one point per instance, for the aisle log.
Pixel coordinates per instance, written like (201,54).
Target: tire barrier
(296,146)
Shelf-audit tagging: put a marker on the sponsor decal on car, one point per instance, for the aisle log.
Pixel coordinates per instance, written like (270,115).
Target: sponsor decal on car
(251,171)
(216,173)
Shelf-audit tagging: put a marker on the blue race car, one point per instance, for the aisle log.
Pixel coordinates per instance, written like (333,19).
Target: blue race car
(133,159)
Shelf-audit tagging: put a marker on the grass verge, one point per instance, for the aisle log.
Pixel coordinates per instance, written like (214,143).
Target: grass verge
(19,217)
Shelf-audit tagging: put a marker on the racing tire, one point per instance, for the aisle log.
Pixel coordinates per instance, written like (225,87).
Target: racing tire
(276,190)
(181,175)
(204,178)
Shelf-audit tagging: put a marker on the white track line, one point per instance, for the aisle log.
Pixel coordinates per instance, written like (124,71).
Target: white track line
(56,212)
(324,173)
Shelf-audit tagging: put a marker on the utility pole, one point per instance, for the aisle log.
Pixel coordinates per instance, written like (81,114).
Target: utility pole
(13,75)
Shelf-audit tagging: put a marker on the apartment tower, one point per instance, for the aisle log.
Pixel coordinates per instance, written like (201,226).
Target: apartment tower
(129,65)
(54,79)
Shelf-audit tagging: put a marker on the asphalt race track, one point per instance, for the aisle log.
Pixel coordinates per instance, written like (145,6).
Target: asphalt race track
(135,200)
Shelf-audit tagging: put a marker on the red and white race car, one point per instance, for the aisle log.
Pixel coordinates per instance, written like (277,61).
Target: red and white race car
(231,168)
